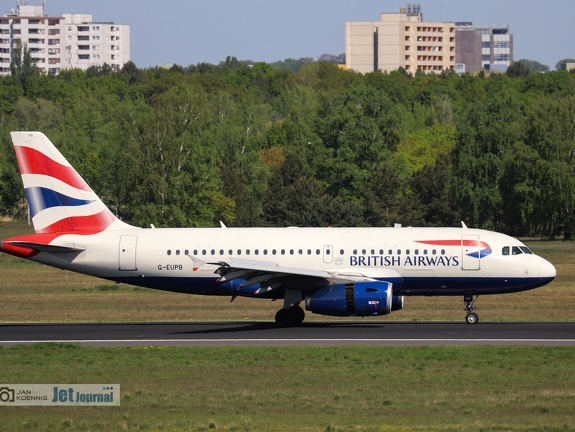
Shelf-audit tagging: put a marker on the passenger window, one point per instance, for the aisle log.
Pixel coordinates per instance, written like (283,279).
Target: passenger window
(177,252)
(230,252)
(373,251)
(291,252)
(257,252)
(300,252)
(355,251)
(187,252)
(169,252)
(328,251)
(204,252)
(265,251)
(213,252)
(247,251)
(221,251)
(283,251)
(363,252)
(399,252)
(239,251)
(416,251)
(442,251)
(341,252)
(273,252)
(381,251)
(407,252)
(195,252)
(390,252)
(505,250)
(309,251)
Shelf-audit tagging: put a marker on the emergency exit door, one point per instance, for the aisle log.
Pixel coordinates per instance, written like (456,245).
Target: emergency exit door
(127,253)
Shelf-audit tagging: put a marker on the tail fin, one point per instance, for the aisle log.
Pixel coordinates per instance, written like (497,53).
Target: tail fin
(60,200)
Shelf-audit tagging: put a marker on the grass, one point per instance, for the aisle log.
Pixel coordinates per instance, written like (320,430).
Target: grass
(32,293)
(302,388)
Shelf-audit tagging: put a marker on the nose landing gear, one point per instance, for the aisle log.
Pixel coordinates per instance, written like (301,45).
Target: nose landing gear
(471,317)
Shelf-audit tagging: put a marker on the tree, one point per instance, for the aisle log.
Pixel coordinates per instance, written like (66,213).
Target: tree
(561,64)
(295,198)
(532,66)
(23,66)
(539,185)
(518,69)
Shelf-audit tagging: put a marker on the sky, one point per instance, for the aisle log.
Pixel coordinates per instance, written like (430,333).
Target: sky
(188,32)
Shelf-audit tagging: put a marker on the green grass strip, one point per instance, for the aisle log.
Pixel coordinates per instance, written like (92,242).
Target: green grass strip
(302,388)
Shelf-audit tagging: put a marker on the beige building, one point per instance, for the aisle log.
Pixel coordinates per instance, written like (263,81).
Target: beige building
(400,40)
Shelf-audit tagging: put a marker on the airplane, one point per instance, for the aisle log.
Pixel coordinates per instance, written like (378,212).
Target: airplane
(333,271)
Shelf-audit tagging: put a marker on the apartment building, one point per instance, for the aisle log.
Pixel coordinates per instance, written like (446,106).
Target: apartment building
(400,40)
(482,47)
(61,42)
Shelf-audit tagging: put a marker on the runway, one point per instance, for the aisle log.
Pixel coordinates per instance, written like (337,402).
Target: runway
(310,334)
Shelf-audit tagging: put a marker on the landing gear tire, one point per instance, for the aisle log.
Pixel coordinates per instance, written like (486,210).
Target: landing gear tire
(291,317)
(472,318)
(298,314)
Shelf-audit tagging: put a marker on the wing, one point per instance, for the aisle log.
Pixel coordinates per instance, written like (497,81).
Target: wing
(269,276)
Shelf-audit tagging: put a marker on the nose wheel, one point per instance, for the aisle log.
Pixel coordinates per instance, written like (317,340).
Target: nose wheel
(471,317)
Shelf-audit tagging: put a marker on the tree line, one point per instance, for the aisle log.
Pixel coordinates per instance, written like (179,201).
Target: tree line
(251,145)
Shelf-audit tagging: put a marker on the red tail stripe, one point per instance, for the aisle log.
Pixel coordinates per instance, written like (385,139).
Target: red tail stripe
(32,161)
(92,224)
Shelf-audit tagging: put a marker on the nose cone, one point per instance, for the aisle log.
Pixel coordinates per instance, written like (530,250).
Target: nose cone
(547,270)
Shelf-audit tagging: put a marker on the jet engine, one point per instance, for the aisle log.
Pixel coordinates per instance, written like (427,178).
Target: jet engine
(354,299)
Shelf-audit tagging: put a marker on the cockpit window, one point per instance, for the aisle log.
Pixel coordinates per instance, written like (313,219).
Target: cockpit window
(516,250)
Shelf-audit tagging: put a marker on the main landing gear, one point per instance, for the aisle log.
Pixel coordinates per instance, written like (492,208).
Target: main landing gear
(292,314)
(471,317)
(291,317)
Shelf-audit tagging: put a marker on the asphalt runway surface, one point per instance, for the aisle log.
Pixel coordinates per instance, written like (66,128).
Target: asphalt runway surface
(310,333)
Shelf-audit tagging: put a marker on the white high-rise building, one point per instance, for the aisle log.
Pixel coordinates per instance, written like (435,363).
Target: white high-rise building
(72,41)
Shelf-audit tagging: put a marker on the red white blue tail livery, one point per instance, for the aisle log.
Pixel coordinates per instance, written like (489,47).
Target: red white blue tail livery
(331,271)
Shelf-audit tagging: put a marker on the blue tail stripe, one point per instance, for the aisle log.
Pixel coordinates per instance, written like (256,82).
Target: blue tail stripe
(41,198)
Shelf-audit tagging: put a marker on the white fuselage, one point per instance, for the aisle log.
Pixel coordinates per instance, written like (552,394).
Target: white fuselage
(419,261)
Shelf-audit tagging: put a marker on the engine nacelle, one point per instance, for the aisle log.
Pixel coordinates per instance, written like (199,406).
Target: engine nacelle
(352,299)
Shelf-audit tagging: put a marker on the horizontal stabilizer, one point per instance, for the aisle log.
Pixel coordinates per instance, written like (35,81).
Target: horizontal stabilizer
(41,247)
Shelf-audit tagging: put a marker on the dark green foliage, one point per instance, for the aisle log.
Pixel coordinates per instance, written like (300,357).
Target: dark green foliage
(304,143)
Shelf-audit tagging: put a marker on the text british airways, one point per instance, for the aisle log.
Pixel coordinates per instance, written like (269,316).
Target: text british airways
(407,261)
